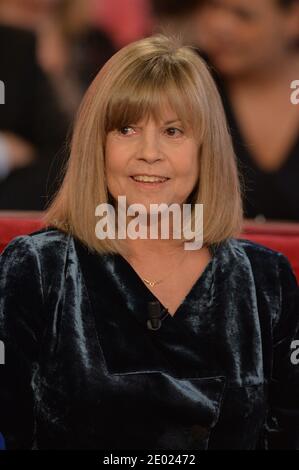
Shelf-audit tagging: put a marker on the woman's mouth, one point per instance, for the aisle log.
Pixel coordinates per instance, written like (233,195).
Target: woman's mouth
(149,180)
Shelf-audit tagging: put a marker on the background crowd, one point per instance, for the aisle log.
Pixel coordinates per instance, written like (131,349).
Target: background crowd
(50,51)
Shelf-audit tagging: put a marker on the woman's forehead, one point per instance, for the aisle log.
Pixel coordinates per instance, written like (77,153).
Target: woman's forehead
(165,107)
(164,115)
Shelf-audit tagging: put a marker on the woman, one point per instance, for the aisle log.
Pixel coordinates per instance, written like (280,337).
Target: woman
(138,342)
(253,47)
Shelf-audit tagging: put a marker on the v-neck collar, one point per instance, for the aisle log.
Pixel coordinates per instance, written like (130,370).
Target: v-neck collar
(113,271)
(128,270)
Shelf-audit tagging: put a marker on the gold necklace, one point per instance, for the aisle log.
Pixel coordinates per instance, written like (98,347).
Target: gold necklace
(151,283)
(154,283)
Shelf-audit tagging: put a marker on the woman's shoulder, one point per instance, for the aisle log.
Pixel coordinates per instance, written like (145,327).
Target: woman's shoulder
(265,263)
(46,244)
(254,249)
(31,263)
(43,238)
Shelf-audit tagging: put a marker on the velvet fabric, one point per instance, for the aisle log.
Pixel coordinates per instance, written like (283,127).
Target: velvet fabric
(83,371)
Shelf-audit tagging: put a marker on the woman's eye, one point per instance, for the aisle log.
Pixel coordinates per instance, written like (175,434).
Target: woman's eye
(125,130)
(174,132)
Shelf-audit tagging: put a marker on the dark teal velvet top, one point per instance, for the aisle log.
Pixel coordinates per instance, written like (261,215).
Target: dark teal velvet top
(83,371)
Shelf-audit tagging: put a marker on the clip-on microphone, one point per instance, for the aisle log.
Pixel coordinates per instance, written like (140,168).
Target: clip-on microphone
(154,312)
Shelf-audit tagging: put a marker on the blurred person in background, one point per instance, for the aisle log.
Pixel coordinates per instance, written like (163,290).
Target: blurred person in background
(28,136)
(49,55)
(173,16)
(253,47)
(71,48)
(124,21)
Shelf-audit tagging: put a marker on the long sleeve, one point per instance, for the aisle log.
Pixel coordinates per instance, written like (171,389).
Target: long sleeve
(283,426)
(21,313)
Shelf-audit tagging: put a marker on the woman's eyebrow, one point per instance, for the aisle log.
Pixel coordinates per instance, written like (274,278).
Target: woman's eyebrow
(172,121)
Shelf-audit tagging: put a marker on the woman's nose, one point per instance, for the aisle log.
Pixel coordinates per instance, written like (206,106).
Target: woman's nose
(150,150)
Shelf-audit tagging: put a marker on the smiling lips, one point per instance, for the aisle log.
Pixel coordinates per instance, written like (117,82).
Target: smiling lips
(149,178)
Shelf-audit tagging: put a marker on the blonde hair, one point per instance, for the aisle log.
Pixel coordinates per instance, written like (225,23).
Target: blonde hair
(133,84)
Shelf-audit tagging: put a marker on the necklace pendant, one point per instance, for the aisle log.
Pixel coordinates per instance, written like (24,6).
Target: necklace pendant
(151,283)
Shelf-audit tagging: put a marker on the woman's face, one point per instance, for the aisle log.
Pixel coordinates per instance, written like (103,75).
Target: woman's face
(147,148)
(240,36)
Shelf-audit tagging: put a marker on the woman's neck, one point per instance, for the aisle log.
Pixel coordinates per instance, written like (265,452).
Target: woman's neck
(153,245)
(153,249)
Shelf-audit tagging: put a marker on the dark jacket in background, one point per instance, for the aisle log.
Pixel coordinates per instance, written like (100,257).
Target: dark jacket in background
(272,195)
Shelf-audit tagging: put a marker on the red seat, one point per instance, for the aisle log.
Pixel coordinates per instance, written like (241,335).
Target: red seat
(279,236)
(283,237)
(13,224)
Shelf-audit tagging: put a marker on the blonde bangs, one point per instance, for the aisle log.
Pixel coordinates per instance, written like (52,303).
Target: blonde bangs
(148,89)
